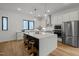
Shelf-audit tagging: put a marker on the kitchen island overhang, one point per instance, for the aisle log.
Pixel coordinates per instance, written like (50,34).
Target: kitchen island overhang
(44,42)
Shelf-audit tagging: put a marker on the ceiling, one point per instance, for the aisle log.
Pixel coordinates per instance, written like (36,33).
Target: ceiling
(26,8)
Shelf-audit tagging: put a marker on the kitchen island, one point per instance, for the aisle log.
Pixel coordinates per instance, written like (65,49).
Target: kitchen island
(44,42)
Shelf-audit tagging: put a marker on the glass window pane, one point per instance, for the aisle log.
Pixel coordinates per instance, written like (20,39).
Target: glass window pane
(4,23)
(31,25)
(25,24)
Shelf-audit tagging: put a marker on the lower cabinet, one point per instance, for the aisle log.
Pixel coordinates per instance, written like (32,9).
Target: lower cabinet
(73,41)
(68,40)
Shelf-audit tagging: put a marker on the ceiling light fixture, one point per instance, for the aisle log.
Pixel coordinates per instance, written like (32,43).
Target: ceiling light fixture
(45,7)
(39,15)
(45,15)
(31,12)
(48,10)
(35,13)
(19,9)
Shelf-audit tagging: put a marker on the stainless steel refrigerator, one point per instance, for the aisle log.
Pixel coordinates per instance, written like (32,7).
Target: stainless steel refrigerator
(70,33)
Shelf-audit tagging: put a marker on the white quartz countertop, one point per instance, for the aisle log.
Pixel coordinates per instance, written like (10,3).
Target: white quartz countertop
(41,35)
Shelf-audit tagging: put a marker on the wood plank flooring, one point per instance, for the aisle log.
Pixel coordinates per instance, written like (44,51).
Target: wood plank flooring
(17,48)
(13,48)
(65,50)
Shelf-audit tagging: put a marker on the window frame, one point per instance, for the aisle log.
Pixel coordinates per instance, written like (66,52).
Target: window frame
(33,24)
(3,22)
(28,24)
(23,25)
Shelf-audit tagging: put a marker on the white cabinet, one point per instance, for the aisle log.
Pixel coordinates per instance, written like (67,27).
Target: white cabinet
(70,16)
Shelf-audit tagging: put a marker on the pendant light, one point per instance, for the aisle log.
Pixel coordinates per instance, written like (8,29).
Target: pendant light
(35,17)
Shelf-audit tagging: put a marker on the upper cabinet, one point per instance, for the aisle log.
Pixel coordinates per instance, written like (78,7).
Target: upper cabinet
(57,19)
(70,16)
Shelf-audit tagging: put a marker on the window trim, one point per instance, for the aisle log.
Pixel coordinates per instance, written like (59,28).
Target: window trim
(2,23)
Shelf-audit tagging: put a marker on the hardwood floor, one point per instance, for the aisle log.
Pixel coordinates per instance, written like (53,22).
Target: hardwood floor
(65,50)
(13,48)
(17,48)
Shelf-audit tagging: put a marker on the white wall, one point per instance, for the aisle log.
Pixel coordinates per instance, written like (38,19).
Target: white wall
(15,24)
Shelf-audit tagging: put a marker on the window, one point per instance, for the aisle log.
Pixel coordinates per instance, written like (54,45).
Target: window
(28,25)
(25,24)
(31,25)
(4,23)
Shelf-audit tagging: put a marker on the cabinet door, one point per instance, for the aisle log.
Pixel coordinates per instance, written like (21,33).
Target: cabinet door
(76,28)
(68,40)
(78,42)
(74,42)
(68,28)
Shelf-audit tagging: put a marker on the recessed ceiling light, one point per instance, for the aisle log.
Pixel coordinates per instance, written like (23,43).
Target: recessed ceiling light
(66,3)
(48,10)
(19,9)
(39,15)
(45,14)
(31,12)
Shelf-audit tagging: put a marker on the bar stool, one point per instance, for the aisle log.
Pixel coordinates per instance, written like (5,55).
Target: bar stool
(26,41)
(31,44)
(31,47)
